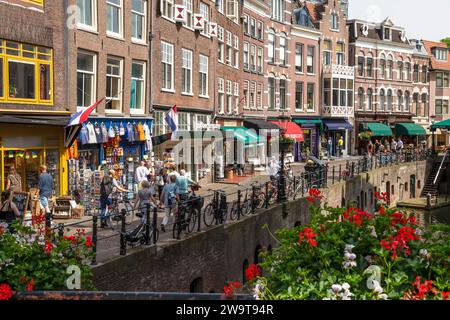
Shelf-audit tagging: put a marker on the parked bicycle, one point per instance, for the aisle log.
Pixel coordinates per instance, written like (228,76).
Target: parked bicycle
(217,209)
(113,211)
(188,213)
(246,207)
(138,235)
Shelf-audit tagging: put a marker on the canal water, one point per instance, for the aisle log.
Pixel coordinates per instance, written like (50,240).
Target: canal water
(434,216)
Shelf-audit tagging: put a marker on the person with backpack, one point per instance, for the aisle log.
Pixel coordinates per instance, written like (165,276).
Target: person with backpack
(108,185)
(169,199)
(146,196)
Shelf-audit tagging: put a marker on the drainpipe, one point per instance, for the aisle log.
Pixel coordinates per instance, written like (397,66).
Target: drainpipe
(67,58)
(149,68)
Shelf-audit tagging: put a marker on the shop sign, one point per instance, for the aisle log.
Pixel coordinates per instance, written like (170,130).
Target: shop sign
(208,126)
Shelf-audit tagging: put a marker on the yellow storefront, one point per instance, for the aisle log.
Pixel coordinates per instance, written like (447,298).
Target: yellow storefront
(28,146)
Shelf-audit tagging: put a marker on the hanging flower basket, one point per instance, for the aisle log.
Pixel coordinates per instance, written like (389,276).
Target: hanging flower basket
(365,136)
(286,144)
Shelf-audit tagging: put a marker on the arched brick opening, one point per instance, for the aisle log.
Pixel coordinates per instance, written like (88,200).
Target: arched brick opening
(258,250)
(196,285)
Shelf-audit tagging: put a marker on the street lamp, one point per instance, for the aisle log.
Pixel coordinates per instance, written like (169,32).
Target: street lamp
(283,147)
(433,130)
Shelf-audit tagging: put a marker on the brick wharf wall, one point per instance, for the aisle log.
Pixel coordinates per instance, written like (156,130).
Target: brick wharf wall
(218,255)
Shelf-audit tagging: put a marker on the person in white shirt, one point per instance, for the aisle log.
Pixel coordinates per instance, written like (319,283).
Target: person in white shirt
(142,172)
(273,168)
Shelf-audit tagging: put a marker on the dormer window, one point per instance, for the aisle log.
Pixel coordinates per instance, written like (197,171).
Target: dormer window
(386,33)
(440,54)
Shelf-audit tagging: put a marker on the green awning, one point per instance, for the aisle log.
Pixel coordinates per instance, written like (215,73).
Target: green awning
(442,125)
(409,129)
(308,121)
(379,129)
(243,134)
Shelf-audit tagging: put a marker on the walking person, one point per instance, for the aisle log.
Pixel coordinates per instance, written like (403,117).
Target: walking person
(45,187)
(161,180)
(108,185)
(183,183)
(14,181)
(330,147)
(169,200)
(142,172)
(340,145)
(146,196)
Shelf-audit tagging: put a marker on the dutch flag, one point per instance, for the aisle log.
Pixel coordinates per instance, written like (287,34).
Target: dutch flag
(172,120)
(82,115)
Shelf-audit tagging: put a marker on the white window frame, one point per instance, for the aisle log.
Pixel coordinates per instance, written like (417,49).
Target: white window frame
(141,110)
(260,60)
(204,10)
(232,10)
(327,52)
(271,46)
(259,95)
(167,9)
(220,5)
(83,26)
(340,55)
(93,73)
(236,51)
(186,67)
(221,44)
(229,49)
(120,87)
(277,7)
(204,73)
(283,49)
(252,91)
(221,92)
(246,95)
(144,23)
(229,101)
(253,58)
(236,96)
(246,55)
(189,13)
(299,57)
(168,58)
(120,8)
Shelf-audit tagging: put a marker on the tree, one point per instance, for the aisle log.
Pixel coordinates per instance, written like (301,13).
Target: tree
(446,41)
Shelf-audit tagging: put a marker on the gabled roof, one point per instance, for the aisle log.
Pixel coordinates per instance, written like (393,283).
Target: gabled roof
(436,64)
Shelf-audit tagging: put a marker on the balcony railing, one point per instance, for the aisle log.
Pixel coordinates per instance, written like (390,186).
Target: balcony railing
(339,70)
(333,111)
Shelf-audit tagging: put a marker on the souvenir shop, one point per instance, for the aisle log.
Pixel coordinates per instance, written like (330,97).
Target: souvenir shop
(27,143)
(104,144)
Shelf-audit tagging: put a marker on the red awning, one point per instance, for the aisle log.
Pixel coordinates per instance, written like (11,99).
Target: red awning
(291,130)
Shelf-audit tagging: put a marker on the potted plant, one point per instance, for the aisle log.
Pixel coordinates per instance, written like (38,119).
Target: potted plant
(12,91)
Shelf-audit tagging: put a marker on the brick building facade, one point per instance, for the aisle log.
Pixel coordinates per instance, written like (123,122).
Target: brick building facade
(33,91)
(439,87)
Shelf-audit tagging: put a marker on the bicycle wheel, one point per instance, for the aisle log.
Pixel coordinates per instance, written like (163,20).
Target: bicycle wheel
(192,220)
(260,200)
(208,215)
(246,207)
(233,211)
(176,230)
(151,235)
(130,213)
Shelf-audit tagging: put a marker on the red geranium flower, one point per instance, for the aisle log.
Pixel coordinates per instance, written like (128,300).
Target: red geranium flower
(310,199)
(309,236)
(252,272)
(5,291)
(445,295)
(30,286)
(229,289)
(48,248)
(89,242)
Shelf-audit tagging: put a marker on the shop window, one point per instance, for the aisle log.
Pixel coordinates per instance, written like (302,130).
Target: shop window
(28,77)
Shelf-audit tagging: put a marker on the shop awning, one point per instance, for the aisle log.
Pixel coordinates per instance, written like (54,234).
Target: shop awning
(409,129)
(309,122)
(442,125)
(243,134)
(379,129)
(257,125)
(337,124)
(291,130)
(34,120)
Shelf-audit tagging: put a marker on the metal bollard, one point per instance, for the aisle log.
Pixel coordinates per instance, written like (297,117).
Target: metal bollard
(123,244)
(359,164)
(340,172)
(94,239)
(239,195)
(266,199)
(253,199)
(353,169)
(199,218)
(147,225)
(154,222)
(333,175)
(295,185)
(61,230)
